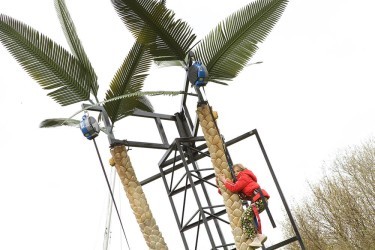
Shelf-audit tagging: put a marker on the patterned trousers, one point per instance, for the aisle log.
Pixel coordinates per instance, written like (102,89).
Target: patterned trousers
(248,224)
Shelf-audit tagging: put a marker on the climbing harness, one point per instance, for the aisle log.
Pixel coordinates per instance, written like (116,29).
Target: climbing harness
(89,126)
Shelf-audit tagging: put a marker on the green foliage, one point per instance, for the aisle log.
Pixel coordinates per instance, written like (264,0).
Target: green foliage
(75,43)
(47,62)
(160,37)
(153,24)
(129,96)
(57,122)
(145,93)
(129,79)
(227,49)
(73,76)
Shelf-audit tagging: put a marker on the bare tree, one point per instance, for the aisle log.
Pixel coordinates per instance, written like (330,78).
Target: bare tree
(340,211)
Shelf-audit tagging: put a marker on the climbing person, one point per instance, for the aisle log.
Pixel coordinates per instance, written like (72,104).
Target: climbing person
(247,188)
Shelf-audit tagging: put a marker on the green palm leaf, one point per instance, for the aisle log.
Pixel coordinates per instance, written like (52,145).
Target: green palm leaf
(129,79)
(144,93)
(46,62)
(75,43)
(153,24)
(129,105)
(57,122)
(129,96)
(226,50)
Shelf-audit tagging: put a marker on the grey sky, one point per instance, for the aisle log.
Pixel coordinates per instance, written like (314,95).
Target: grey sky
(311,96)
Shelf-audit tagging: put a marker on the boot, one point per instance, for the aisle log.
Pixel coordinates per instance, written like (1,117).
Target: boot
(262,238)
(256,243)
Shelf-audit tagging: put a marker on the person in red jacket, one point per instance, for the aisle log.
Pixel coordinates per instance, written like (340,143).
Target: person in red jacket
(248,189)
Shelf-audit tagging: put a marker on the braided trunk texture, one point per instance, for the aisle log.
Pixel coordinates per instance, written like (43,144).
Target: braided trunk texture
(137,199)
(232,202)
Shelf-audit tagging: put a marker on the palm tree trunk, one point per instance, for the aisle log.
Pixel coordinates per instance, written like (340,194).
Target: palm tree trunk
(137,199)
(232,202)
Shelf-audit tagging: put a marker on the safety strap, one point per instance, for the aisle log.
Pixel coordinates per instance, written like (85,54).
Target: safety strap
(229,160)
(256,217)
(226,152)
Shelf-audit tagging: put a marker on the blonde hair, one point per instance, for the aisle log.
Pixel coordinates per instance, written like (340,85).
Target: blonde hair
(240,166)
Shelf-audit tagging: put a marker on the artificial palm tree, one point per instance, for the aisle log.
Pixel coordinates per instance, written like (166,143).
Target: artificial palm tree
(225,51)
(70,78)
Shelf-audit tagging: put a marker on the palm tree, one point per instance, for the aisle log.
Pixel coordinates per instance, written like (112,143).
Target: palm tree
(225,51)
(70,78)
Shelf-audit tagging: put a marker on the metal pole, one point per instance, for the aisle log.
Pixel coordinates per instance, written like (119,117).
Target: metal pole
(110,191)
(280,192)
(183,128)
(107,232)
(173,206)
(196,196)
(195,165)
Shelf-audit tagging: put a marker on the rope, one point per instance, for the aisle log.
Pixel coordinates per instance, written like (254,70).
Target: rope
(226,152)
(110,190)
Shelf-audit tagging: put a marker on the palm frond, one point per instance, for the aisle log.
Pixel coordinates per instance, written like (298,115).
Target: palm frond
(46,62)
(219,82)
(57,122)
(165,64)
(129,105)
(75,43)
(129,78)
(155,25)
(226,49)
(129,96)
(143,93)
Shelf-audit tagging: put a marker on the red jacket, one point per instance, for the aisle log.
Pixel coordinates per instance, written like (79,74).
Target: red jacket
(246,184)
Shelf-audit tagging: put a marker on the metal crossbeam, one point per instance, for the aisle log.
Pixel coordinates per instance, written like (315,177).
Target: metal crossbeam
(190,153)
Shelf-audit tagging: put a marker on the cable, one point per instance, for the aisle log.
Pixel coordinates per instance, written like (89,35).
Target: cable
(226,152)
(119,198)
(110,190)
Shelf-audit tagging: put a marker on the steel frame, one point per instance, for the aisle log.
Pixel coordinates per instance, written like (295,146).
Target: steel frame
(186,152)
(190,153)
(185,158)
(193,178)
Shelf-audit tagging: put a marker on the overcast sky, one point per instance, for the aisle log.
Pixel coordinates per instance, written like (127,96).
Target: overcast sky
(311,97)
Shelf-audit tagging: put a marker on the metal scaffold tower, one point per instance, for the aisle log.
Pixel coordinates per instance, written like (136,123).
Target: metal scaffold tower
(183,178)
